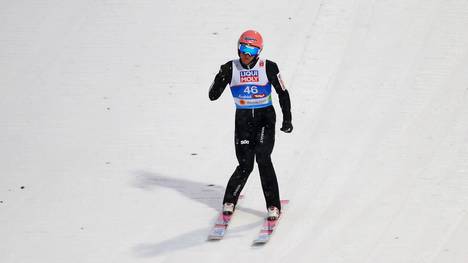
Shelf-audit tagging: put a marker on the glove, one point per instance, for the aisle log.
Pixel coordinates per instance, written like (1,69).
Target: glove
(287,127)
(223,70)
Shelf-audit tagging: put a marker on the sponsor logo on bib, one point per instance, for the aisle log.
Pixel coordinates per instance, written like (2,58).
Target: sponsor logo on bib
(249,76)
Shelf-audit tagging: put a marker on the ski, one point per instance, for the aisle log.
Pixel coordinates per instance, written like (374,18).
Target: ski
(222,222)
(269,227)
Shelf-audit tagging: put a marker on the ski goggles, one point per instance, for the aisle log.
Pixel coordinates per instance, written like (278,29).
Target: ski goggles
(246,49)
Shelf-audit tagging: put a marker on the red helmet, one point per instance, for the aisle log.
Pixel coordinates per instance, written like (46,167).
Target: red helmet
(251,38)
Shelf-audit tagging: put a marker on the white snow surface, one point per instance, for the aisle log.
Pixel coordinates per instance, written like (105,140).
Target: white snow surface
(110,150)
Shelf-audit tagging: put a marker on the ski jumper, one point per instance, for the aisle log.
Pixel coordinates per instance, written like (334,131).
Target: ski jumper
(255,120)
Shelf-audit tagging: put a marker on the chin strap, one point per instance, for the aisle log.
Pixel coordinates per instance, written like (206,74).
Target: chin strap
(251,64)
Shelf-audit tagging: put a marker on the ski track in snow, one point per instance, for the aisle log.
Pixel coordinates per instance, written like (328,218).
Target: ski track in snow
(112,152)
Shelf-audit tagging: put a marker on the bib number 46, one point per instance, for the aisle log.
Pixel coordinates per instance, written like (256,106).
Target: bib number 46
(251,90)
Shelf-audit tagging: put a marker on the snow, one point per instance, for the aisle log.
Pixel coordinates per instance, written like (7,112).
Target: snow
(112,152)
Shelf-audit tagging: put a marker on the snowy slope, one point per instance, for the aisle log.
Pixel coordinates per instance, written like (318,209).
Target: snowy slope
(111,151)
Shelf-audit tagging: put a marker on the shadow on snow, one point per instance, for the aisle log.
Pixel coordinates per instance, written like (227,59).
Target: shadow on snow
(207,194)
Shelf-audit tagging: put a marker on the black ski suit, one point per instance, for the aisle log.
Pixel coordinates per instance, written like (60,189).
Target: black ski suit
(255,135)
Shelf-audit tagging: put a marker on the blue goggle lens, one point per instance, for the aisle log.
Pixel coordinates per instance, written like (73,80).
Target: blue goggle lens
(246,49)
